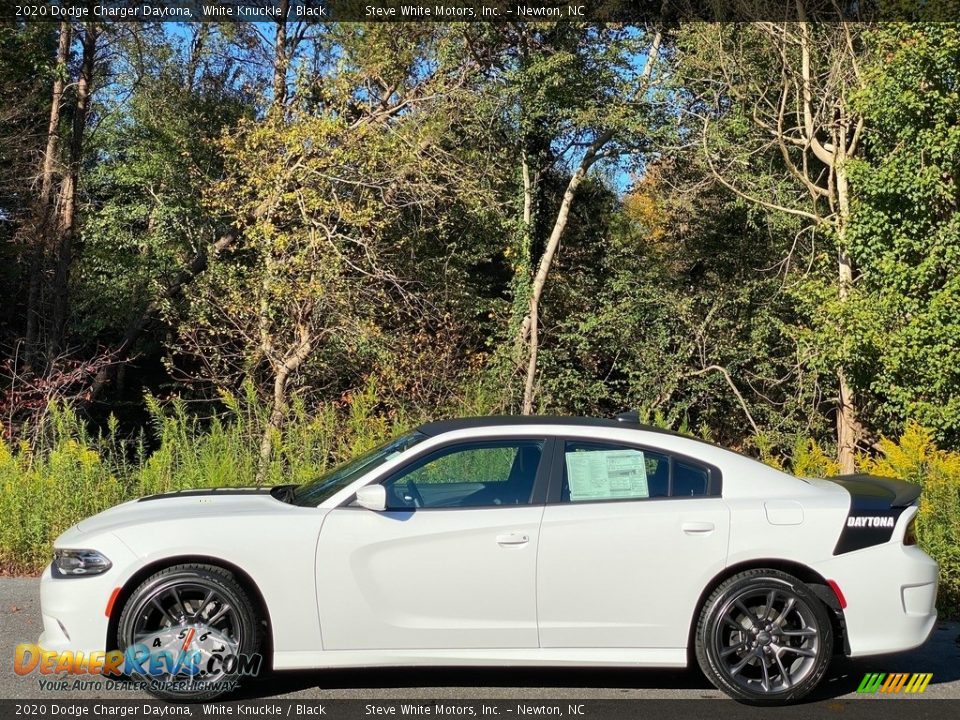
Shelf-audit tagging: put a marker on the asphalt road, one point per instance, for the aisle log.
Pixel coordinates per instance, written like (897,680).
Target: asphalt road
(20,622)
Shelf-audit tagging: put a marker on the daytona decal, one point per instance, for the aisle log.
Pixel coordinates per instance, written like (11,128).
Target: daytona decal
(885,522)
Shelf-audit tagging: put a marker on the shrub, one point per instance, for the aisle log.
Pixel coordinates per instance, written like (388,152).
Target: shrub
(47,486)
(917,459)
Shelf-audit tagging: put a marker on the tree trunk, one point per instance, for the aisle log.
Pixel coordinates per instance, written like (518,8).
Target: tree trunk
(281,59)
(53,128)
(41,240)
(63,254)
(278,410)
(197,50)
(844,145)
(559,225)
(846,406)
(543,270)
(524,250)
(846,426)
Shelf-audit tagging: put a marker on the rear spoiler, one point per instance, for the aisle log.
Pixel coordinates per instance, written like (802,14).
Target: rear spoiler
(880,491)
(876,504)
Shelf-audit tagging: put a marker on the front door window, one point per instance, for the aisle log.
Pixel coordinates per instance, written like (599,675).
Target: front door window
(482,474)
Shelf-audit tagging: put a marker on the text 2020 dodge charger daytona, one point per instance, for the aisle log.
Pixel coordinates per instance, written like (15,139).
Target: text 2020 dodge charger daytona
(506,541)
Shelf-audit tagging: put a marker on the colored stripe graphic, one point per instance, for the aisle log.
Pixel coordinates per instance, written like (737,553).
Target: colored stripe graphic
(918,682)
(871,682)
(894,683)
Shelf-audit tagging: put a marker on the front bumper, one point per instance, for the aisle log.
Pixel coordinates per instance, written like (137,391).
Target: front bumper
(891,594)
(74,608)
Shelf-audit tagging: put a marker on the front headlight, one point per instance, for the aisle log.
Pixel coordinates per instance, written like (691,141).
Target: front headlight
(80,562)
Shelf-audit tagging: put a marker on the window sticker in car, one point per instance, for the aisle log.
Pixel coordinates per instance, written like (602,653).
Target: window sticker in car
(606,474)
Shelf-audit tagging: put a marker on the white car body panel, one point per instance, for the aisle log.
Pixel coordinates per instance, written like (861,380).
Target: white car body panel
(612,583)
(627,574)
(455,579)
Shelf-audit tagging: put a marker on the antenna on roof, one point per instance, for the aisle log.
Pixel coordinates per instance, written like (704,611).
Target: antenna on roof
(631,416)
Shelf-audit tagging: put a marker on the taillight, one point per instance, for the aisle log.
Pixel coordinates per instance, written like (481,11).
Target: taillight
(910,534)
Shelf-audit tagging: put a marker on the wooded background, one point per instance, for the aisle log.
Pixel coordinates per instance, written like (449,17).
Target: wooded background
(747,232)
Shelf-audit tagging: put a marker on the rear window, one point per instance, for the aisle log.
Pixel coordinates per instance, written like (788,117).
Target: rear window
(595,472)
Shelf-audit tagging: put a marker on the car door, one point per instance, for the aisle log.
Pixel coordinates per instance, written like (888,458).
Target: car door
(451,562)
(630,536)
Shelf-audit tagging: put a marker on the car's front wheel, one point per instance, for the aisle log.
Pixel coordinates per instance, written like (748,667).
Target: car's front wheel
(191,631)
(764,637)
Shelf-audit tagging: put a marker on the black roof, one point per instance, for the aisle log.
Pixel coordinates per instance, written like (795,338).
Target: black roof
(442,426)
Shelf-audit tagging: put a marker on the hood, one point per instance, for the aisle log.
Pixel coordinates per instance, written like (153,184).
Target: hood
(184,505)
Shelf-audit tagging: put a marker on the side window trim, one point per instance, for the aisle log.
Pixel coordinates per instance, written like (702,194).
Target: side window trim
(558,467)
(541,481)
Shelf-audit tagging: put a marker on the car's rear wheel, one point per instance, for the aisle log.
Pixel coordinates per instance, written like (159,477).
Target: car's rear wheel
(764,637)
(191,630)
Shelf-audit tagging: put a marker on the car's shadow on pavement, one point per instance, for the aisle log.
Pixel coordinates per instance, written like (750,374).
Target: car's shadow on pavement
(418,678)
(940,655)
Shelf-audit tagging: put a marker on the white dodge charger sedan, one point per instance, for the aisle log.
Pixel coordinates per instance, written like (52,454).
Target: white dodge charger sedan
(536,541)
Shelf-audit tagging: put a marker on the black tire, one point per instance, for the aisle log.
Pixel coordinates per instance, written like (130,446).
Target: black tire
(206,608)
(764,638)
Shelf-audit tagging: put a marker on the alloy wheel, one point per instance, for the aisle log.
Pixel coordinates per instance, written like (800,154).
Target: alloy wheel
(767,640)
(192,616)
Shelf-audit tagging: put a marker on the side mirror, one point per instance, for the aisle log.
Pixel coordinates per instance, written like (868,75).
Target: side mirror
(372,497)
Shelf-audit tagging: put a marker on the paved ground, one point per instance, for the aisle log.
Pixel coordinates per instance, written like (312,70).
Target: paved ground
(20,622)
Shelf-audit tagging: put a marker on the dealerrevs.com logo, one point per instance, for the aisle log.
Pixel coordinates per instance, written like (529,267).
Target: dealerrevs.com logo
(161,668)
(893,683)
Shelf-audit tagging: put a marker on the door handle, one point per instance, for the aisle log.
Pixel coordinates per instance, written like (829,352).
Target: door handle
(697,528)
(513,539)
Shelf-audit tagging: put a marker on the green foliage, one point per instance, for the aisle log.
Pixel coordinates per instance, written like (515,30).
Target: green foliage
(916,458)
(26,72)
(906,228)
(358,230)
(50,484)
(808,458)
(657,292)
(480,465)
(156,153)
(373,269)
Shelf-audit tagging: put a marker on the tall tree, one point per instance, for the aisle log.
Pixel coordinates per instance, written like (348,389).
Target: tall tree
(779,130)
(44,225)
(574,97)
(905,227)
(29,67)
(62,249)
(326,197)
(147,233)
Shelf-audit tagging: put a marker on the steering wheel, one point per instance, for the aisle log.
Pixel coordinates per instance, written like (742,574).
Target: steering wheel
(414,494)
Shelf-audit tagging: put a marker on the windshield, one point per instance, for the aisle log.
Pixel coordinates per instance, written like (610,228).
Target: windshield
(315,492)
